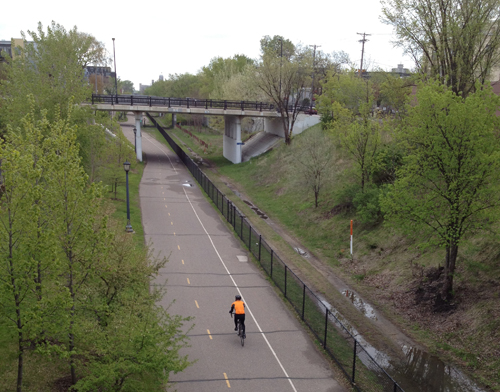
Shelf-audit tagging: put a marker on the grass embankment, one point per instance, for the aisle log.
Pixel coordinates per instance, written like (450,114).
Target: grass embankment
(41,372)
(389,269)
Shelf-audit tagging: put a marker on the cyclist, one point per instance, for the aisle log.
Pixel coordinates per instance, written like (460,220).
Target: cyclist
(239,313)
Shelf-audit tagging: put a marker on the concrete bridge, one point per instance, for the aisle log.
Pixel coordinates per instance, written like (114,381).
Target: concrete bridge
(233,112)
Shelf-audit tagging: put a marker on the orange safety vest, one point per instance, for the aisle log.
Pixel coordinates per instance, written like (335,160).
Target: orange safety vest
(239,307)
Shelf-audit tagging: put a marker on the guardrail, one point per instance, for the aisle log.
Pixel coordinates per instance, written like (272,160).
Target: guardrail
(189,103)
(334,337)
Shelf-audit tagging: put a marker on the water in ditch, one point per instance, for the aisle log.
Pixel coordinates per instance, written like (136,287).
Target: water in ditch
(416,370)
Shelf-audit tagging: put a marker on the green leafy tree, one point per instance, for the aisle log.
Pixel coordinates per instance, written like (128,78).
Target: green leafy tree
(51,67)
(455,41)
(346,106)
(448,184)
(219,71)
(125,86)
(18,217)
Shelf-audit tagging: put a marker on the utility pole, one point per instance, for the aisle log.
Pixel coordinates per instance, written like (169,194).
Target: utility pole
(362,50)
(312,86)
(116,76)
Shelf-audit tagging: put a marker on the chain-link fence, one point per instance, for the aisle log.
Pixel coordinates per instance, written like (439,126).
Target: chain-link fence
(360,368)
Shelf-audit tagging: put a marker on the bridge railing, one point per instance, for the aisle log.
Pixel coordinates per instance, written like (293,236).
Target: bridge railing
(141,100)
(362,370)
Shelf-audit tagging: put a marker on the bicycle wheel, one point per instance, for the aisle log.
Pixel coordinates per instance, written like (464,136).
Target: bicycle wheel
(240,333)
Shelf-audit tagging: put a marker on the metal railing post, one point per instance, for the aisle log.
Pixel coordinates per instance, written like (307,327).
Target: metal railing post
(169,102)
(326,326)
(241,228)
(225,105)
(354,361)
(260,245)
(92,98)
(285,278)
(303,301)
(187,102)
(131,100)
(250,238)
(272,253)
(150,101)
(242,106)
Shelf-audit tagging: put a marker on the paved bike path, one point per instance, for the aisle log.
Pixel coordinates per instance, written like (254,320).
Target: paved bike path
(202,277)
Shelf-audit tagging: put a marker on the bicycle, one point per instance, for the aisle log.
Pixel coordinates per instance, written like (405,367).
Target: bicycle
(240,331)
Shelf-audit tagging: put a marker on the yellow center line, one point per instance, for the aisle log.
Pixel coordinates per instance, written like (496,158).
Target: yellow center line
(188,281)
(174,232)
(164,200)
(168,213)
(182,261)
(178,247)
(196,302)
(166,206)
(171,223)
(210,336)
(227,380)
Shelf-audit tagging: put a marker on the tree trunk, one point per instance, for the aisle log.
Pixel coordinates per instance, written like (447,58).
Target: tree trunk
(449,270)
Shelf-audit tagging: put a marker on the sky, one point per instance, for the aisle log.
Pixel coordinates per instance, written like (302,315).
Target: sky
(154,38)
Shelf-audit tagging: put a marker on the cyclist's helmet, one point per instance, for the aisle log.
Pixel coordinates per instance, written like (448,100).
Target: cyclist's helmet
(237,297)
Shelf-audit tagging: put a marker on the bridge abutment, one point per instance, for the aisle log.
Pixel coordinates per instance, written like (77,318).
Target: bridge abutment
(232,138)
(138,135)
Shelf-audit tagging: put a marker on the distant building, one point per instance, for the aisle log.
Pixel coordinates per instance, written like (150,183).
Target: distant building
(6,48)
(98,78)
(143,87)
(401,70)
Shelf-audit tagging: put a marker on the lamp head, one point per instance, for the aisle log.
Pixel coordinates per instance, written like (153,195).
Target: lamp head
(126,166)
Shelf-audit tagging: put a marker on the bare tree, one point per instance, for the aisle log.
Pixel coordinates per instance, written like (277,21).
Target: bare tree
(313,157)
(456,41)
(282,75)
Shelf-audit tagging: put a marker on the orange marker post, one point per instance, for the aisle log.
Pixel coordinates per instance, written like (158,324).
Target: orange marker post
(351,236)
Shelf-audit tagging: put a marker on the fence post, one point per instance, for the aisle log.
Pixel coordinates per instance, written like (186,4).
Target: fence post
(92,98)
(395,387)
(241,228)
(354,361)
(149,101)
(260,242)
(272,252)
(326,326)
(169,102)
(225,105)
(218,199)
(187,102)
(131,100)
(303,301)
(250,238)
(285,278)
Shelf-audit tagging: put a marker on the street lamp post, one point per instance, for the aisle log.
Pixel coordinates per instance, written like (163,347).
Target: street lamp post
(116,76)
(135,140)
(128,228)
